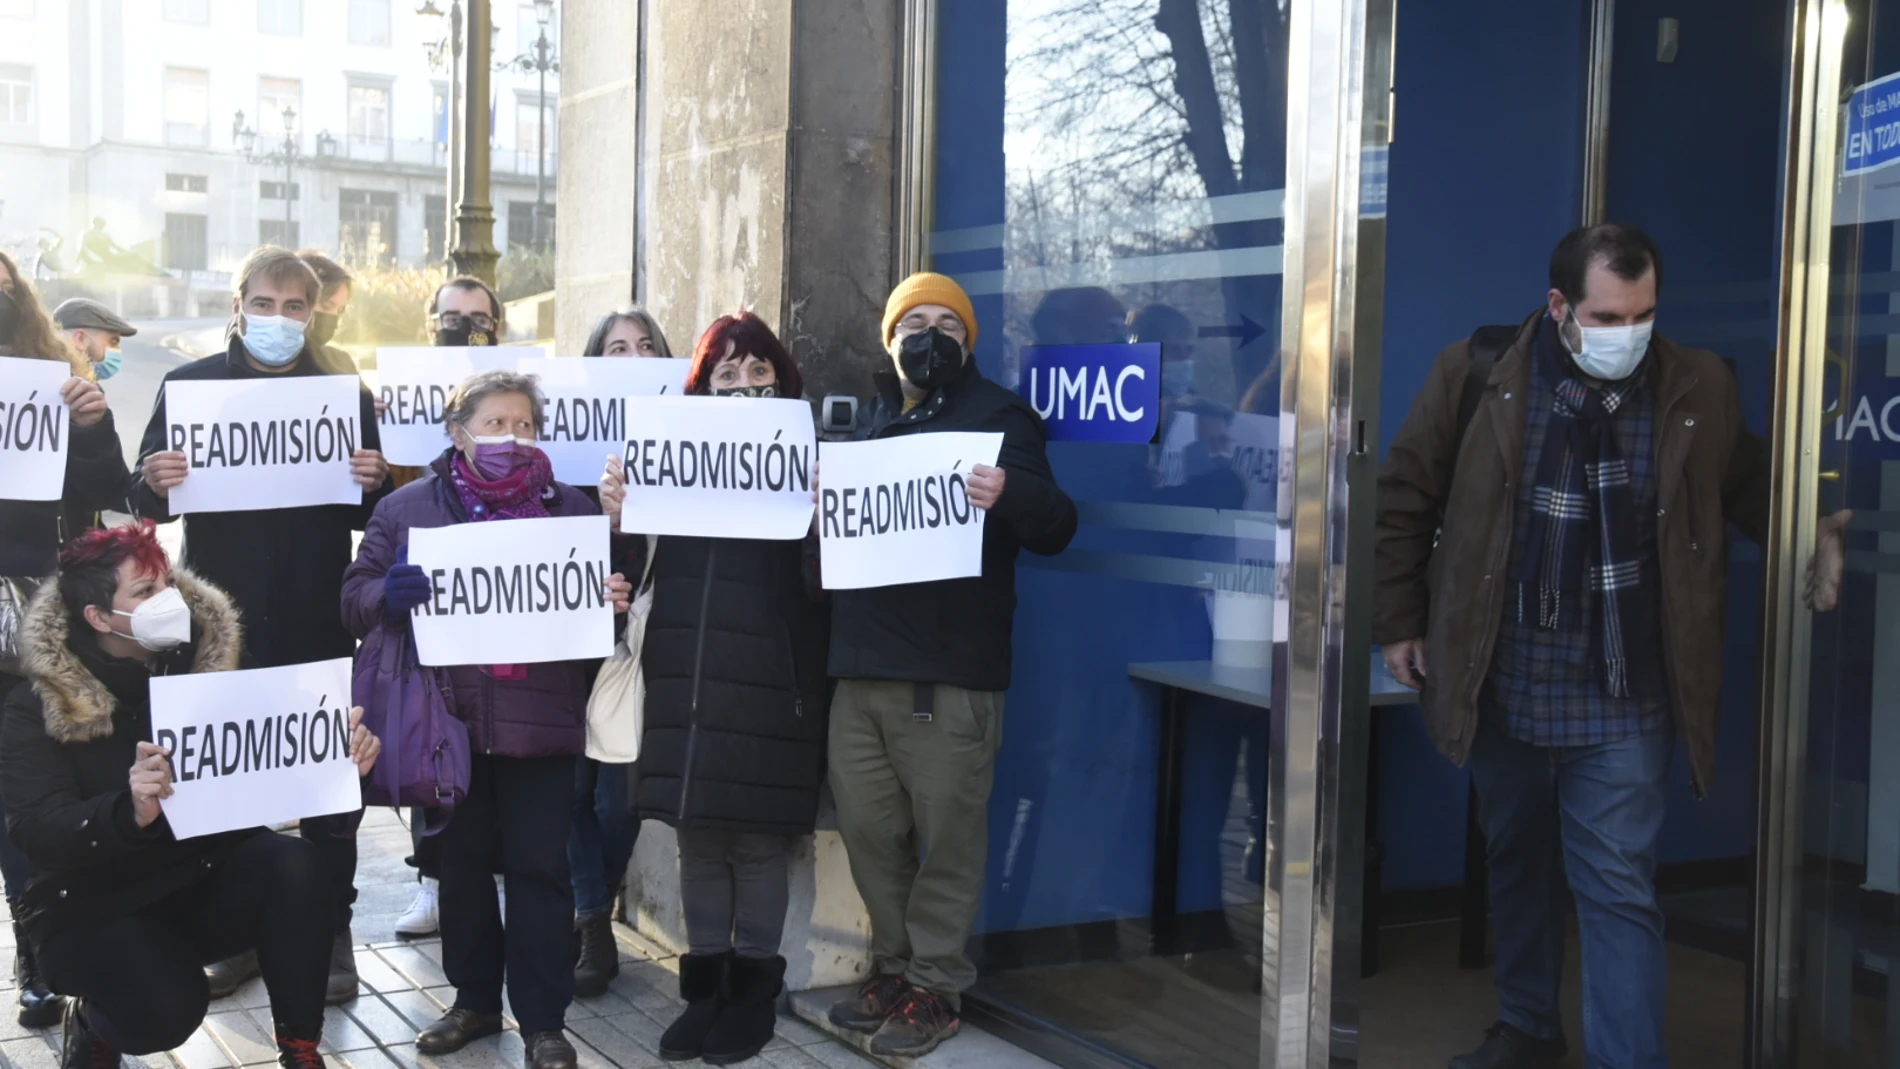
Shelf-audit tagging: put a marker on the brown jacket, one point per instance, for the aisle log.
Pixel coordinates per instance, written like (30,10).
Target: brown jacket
(1710,472)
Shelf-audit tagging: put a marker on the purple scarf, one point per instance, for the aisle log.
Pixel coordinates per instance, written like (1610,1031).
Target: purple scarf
(515,496)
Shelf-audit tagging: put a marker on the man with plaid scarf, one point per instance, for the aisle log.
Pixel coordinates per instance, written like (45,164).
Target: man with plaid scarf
(1554,585)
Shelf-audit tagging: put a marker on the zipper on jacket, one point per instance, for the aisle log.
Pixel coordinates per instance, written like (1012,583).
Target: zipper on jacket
(488,712)
(699,665)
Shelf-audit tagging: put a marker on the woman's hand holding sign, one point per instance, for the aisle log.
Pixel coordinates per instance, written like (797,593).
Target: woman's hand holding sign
(369,468)
(151,782)
(613,491)
(365,748)
(86,401)
(619,592)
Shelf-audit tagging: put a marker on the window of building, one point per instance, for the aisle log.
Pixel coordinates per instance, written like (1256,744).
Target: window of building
(274,95)
(276,190)
(16,95)
(280,17)
(185,241)
(533,126)
(194,11)
(435,227)
(187,107)
(521,224)
(367,221)
(369,118)
(369,22)
(287,233)
(16,9)
(186,183)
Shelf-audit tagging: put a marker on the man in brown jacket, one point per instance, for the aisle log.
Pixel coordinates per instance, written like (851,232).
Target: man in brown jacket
(1568,626)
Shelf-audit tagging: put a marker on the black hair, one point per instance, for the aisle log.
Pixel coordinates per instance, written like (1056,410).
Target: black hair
(1625,250)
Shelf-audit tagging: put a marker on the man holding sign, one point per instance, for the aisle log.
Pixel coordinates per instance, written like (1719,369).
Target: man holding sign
(135,889)
(922,665)
(283,566)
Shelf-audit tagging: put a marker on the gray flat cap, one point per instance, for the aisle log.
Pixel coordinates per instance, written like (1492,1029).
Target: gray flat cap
(78,313)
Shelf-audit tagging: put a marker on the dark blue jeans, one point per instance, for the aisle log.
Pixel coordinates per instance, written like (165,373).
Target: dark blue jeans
(601,842)
(1594,811)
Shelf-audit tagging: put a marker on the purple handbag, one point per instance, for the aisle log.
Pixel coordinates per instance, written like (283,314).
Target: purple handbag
(406,704)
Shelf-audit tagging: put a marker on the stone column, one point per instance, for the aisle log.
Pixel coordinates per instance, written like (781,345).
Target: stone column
(597,186)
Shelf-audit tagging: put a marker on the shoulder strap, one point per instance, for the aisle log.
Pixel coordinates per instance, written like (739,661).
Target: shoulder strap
(1487,345)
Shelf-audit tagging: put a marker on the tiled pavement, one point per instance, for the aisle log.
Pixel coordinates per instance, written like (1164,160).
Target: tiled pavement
(403,989)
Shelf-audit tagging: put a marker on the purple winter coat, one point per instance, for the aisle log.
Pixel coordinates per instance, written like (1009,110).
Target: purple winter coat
(544,715)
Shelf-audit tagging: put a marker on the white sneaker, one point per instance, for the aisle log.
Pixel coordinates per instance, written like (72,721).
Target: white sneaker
(424,914)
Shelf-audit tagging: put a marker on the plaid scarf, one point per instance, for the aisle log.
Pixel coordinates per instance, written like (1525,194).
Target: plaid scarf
(1583,527)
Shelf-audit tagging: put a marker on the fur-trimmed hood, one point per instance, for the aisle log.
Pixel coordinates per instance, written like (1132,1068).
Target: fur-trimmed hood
(78,706)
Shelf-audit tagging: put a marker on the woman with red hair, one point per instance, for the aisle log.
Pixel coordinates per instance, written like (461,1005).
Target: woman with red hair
(733,750)
(122,914)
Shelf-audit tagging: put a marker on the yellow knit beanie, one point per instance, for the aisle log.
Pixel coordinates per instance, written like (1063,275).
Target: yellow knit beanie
(926,287)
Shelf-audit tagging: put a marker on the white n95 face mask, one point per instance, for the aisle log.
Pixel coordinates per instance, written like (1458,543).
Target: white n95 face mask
(161,622)
(1612,353)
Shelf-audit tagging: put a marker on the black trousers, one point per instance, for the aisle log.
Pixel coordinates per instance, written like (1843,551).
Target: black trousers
(142,976)
(335,840)
(515,821)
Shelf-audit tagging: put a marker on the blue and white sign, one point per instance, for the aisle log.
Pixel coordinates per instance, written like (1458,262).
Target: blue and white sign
(1095,393)
(1873,126)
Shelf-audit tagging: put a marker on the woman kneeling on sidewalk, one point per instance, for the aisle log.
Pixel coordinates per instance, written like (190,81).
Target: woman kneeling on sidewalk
(123,916)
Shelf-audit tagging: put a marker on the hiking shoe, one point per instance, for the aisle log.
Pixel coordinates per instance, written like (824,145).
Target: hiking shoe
(228,975)
(457,1029)
(39,1007)
(548,1050)
(876,998)
(80,1047)
(341,987)
(1506,1047)
(298,1054)
(424,915)
(916,1026)
(599,960)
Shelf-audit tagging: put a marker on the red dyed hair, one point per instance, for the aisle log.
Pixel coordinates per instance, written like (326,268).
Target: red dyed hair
(109,547)
(749,337)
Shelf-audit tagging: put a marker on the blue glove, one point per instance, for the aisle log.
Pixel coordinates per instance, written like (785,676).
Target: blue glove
(405,587)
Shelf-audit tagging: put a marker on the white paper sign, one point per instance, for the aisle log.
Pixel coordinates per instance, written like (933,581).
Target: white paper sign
(897,510)
(414,384)
(35,429)
(256,747)
(719,467)
(587,406)
(514,591)
(264,443)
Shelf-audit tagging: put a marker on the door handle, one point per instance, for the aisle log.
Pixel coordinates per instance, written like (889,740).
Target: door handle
(1838,365)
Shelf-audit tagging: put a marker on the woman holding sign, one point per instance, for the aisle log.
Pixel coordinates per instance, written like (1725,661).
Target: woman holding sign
(123,914)
(733,752)
(526,723)
(30,530)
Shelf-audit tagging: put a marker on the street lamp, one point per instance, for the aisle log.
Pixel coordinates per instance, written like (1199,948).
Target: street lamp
(541,60)
(288,154)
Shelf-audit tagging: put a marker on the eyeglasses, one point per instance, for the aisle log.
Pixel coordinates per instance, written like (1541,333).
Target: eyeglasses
(456,321)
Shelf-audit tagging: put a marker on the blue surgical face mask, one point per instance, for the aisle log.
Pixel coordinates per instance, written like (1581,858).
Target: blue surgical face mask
(110,366)
(273,340)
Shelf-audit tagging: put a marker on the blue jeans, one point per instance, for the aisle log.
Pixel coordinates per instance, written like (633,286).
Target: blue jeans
(1594,811)
(600,844)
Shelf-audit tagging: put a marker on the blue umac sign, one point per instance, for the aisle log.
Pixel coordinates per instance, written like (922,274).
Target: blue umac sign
(1873,126)
(1095,393)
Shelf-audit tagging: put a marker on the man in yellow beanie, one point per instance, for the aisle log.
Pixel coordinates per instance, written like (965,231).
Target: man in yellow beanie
(921,671)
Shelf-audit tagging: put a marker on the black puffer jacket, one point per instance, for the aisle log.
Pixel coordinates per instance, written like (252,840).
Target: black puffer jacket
(67,743)
(735,675)
(957,631)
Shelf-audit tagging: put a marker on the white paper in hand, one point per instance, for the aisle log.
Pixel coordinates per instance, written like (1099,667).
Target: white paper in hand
(35,429)
(897,510)
(265,443)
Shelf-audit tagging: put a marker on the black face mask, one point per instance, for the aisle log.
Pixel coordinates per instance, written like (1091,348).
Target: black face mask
(9,317)
(930,359)
(466,334)
(322,327)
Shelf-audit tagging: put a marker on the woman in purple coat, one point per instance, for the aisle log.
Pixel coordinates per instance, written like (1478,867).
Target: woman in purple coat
(526,724)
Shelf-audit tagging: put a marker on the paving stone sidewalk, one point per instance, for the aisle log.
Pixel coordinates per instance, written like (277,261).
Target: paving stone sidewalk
(403,989)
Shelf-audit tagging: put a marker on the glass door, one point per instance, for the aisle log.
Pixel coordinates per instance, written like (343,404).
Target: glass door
(1829,904)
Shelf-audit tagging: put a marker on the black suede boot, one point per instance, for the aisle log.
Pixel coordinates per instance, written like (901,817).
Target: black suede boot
(39,1007)
(702,985)
(599,959)
(750,1015)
